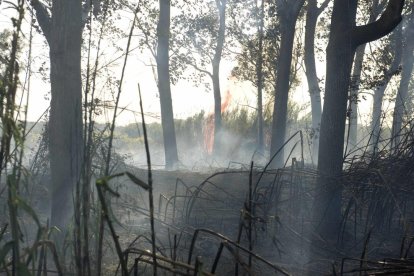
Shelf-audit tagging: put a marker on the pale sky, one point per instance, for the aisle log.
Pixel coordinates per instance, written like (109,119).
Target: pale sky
(187,99)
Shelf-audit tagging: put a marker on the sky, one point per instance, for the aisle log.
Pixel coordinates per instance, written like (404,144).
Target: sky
(187,98)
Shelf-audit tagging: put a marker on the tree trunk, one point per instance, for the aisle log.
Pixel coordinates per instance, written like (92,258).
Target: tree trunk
(356,81)
(313,83)
(259,73)
(339,56)
(221,6)
(400,108)
(65,124)
(353,97)
(287,26)
(376,119)
(163,69)
(344,38)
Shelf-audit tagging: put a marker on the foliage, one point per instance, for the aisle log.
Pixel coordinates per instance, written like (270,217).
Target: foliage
(195,39)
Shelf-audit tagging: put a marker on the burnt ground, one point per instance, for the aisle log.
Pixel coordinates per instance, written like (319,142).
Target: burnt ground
(216,206)
(203,214)
(209,218)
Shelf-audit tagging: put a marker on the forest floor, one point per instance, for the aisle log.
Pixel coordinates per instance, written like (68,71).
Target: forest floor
(208,220)
(201,212)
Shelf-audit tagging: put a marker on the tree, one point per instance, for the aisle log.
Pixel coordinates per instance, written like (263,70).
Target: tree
(288,12)
(63,31)
(373,9)
(201,44)
(344,38)
(259,73)
(155,25)
(256,61)
(221,7)
(394,46)
(258,56)
(163,69)
(401,100)
(312,14)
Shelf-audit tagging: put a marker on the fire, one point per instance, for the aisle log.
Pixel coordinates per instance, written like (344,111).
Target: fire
(209,133)
(226,102)
(209,125)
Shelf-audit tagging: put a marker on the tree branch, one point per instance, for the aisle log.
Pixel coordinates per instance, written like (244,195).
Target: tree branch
(383,26)
(43,17)
(200,69)
(323,6)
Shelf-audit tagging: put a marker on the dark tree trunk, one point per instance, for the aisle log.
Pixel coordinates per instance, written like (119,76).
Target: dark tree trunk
(163,69)
(401,100)
(339,54)
(221,6)
(259,74)
(217,108)
(312,15)
(288,16)
(65,125)
(344,38)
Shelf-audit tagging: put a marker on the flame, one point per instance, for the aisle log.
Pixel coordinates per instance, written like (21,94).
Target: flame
(226,101)
(208,131)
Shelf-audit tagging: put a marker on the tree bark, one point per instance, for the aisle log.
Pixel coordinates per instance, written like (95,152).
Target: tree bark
(65,124)
(344,38)
(221,6)
(164,87)
(400,108)
(312,15)
(259,73)
(288,16)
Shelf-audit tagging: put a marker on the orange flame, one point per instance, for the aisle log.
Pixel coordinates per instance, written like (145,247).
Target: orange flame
(208,131)
(226,101)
